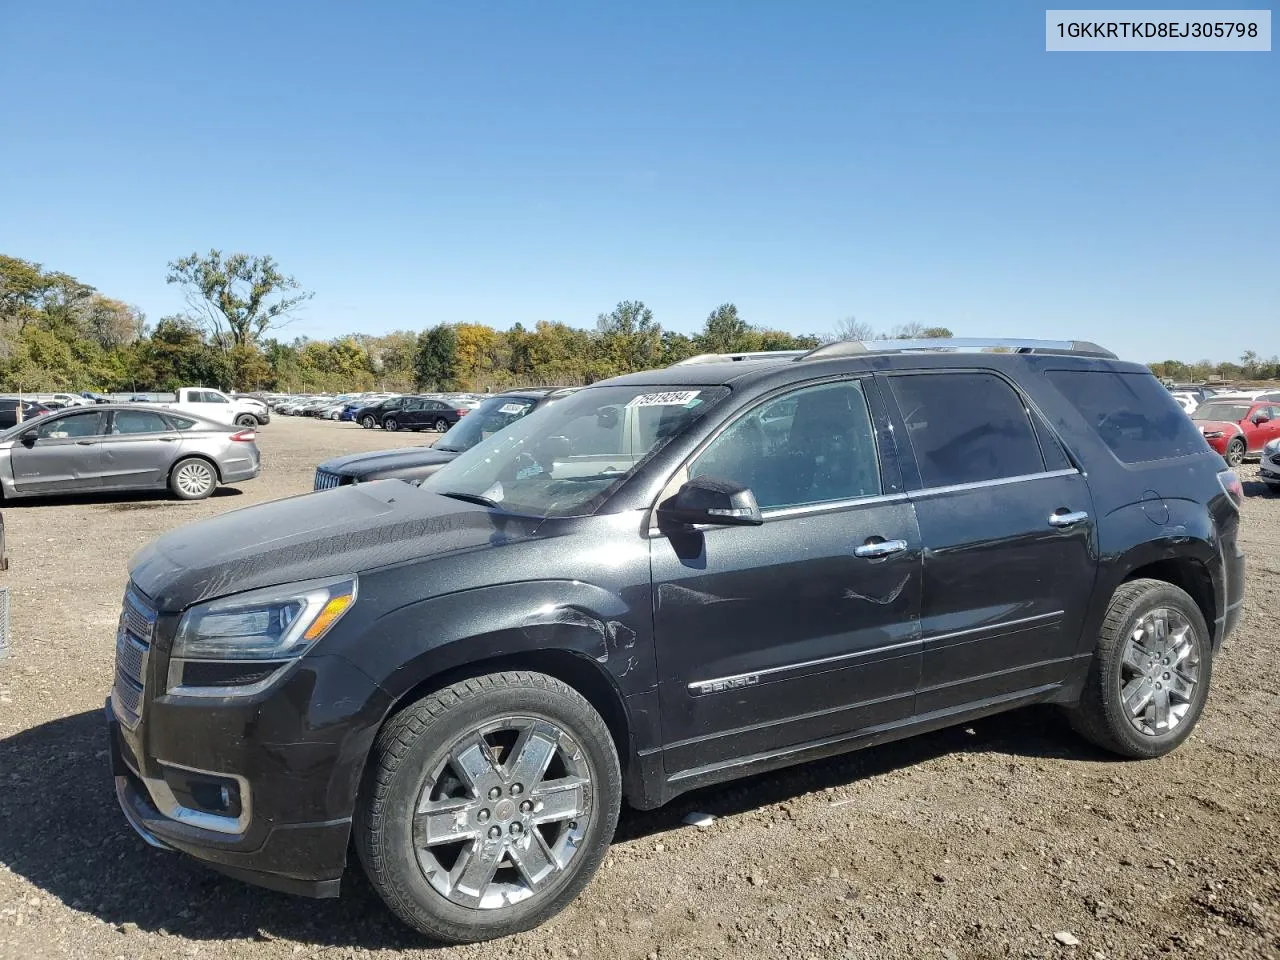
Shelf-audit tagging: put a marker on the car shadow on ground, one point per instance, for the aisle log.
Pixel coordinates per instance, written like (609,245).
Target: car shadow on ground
(1256,488)
(123,500)
(64,833)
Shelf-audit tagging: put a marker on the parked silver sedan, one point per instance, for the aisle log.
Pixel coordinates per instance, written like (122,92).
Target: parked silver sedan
(119,447)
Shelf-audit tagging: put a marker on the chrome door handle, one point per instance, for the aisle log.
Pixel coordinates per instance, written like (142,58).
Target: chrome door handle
(167,439)
(1067,519)
(85,443)
(880,548)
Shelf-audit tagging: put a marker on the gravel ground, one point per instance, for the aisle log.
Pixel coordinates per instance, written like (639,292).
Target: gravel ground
(1005,838)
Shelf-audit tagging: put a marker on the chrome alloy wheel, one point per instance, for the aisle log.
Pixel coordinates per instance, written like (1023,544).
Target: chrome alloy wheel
(503,814)
(1159,671)
(194,479)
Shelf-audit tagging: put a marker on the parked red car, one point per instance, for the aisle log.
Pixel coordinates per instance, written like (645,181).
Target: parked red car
(1238,427)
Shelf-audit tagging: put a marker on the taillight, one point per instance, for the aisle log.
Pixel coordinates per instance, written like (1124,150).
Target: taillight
(461,413)
(1232,486)
(245,436)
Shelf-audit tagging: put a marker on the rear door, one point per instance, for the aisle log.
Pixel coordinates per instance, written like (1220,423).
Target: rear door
(64,457)
(138,450)
(1009,533)
(802,631)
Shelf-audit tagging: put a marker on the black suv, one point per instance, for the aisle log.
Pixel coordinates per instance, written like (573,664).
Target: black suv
(664,581)
(417,463)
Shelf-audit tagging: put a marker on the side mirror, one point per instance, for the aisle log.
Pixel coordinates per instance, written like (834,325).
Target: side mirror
(29,436)
(710,501)
(1261,418)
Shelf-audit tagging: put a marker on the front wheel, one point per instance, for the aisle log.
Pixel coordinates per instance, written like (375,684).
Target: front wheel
(368,422)
(440,426)
(246,420)
(192,479)
(1235,452)
(488,806)
(1149,678)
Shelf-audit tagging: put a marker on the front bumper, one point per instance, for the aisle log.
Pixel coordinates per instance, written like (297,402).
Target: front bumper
(297,750)
(1269,469)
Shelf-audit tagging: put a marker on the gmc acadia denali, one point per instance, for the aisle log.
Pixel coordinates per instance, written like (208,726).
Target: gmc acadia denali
(660,582)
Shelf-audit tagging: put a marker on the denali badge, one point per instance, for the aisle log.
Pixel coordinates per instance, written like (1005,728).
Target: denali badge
(703,687)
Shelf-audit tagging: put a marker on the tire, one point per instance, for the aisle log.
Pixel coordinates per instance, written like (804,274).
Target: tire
(368,422)
(440,426)
(193,479)
(1235,452)
(1102,716)
(246,420)
(410,761)
(391,423)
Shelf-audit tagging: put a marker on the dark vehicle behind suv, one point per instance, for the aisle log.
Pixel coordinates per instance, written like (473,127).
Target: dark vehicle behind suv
(423,413)
(418,463)
(371,415)
(664,581)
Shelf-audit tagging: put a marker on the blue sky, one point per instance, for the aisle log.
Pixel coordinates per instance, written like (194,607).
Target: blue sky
(498,162)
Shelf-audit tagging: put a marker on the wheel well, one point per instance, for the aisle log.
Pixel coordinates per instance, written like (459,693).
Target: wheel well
(197,456)
(1187,574)
(570,668)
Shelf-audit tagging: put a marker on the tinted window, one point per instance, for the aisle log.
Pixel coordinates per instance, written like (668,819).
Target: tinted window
(1133,414)
(966,427)
(78,425)
(1222,410)
(138,421)
(487,419)
(182,423)
(812,446)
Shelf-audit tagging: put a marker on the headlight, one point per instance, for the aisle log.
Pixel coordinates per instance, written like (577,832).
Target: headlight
(244,640)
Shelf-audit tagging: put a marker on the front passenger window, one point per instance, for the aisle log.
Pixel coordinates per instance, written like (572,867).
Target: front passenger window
(77,425)
(815,445)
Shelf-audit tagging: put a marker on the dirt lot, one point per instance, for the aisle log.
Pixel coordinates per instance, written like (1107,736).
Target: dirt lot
(1006,838)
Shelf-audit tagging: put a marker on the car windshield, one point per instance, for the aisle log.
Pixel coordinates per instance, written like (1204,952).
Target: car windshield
(566,458)
(496,413)
(1230,412)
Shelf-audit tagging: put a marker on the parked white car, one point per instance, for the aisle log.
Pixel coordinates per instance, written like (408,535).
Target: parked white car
(215,405)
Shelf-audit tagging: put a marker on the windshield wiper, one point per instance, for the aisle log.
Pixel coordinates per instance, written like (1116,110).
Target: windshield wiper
(472,498)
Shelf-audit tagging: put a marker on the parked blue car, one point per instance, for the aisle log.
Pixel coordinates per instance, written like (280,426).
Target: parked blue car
(349,412)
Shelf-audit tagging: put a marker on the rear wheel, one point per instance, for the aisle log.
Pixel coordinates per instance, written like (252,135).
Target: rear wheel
(192,479)
(368,422)
(488,806)
(1149,678)
(391,423)
(1235,452)
(441,425)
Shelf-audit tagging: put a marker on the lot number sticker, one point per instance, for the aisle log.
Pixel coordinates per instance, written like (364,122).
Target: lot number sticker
(511,408)
(673,398)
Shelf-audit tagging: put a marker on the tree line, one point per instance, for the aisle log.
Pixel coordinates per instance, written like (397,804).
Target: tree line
(58,333)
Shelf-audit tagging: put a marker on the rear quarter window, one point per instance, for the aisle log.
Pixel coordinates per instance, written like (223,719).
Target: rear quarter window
(1133,414)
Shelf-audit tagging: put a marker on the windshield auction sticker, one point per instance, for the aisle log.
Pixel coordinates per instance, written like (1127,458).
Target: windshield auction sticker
(672,398)
(1154,31)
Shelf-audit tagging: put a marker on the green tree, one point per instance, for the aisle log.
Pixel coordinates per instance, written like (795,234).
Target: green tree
(437,352)
(725,332)
(238,297)
(628,338)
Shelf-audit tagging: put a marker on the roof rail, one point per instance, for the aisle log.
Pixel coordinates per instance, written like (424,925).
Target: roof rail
(746,355)
(846,348)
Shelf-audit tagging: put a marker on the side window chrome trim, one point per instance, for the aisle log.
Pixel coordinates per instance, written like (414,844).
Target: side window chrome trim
(783,513)
(980,484)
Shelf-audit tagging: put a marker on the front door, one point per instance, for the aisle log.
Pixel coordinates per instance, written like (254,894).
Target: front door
(1011,558)
(804,630)
(1261,426)
(64,456)
(138,451)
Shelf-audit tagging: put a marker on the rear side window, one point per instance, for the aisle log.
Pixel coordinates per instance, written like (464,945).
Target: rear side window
(138,421)
(966,428)
(182,423)
(1134,415)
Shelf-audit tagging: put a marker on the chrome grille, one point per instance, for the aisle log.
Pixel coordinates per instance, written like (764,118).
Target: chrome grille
(133,645)
(327,481)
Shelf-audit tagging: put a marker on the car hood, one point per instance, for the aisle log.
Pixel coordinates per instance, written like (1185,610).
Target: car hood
(1213,426)
(342,531)
(383,461)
